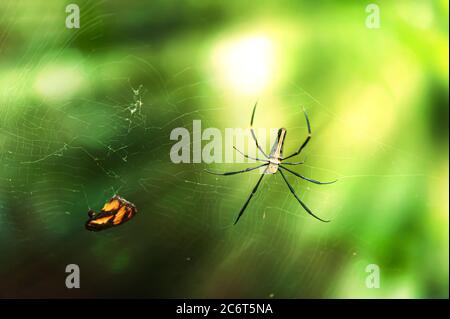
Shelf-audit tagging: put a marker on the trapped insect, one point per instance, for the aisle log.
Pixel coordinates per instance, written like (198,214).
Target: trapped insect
(114,213)
(272,164)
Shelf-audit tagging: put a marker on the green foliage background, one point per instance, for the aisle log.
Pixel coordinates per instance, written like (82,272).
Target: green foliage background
(69,139)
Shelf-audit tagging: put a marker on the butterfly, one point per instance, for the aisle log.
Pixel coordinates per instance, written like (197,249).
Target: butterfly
(114,213)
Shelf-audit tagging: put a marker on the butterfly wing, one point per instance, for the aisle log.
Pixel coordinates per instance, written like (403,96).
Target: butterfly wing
(115,212)
(100,222)
(113,204)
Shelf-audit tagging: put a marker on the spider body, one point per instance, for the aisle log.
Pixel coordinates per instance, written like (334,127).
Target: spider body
(276,153)
(273,164)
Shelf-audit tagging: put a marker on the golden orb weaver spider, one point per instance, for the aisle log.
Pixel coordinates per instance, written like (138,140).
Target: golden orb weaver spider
(273,165)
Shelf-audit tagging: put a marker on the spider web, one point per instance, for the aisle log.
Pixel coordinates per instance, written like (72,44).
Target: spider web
(61,159)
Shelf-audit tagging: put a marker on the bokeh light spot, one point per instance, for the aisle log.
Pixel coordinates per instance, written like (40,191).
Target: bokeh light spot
(245,65)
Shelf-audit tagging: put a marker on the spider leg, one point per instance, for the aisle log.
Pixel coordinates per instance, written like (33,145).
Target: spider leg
(299,200)
(238,172)
(249,198)
(307,178)
(253,158)
(294,163)
(253,132)
(306,141)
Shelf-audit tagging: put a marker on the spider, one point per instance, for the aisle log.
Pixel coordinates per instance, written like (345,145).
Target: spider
(273,162)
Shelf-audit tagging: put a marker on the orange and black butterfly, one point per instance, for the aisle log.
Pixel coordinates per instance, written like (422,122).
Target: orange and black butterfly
(114,213)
